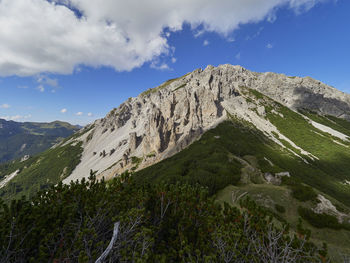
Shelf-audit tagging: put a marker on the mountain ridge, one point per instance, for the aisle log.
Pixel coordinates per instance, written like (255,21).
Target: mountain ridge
(233,131)
(162,121)
(20,139)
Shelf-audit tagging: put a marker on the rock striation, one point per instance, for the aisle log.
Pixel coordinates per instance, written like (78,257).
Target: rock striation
(162,121)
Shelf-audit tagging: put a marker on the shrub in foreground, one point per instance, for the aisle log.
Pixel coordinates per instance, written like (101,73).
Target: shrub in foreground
(158,223)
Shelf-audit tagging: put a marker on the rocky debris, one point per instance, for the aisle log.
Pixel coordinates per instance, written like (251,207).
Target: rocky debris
(270,163)
(123,142)
(8,178)
(25,158)
(125,160)
(326,206)
(261,110)
(282,174)
(64,173)
(270,179)
(133,141)
(168,118)
(275,179)
(329,130)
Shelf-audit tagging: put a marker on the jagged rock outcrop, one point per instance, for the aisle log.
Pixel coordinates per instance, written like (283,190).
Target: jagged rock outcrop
(162,121)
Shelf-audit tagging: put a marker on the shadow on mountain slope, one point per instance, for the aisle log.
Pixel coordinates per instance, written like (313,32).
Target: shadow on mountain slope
(319,103)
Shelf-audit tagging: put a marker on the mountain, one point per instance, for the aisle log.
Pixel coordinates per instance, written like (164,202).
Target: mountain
(162,121)
(284,141)
(20,139)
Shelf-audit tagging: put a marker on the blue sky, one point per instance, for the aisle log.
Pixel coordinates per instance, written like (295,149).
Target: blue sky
(307,40)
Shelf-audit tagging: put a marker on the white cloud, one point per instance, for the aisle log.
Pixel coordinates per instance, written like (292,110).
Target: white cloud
(39,36)
(205,43)
(238,56)
(256,34)
(300,6)
(90,114)
(79,113)
(162,66)
(269,45)
(199,33)
(16,117)
(64,110)
(22,87)
(40,88)
(173,60)
(5,106)
(45,80)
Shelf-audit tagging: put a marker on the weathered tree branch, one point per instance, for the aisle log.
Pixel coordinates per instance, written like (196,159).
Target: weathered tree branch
(110,246)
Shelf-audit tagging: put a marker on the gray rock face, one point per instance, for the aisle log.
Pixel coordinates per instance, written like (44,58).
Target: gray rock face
(132,141)
(162,121)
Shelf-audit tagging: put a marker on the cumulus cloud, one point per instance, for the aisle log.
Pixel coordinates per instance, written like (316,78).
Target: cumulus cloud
(64,110)
(90,114)
(38,36)
(205,43)
(5,106)
(79,113)
(269,46)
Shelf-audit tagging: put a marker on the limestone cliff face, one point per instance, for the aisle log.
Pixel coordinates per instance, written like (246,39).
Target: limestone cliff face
(162,121)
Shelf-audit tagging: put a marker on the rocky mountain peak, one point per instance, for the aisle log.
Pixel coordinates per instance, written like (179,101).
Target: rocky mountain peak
(162,121)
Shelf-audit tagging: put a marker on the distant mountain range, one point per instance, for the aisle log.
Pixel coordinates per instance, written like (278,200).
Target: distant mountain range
(20,140)
(282,140)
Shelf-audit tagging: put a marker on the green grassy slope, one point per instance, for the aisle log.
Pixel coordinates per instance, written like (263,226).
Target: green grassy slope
(329,172)
(333,165)
(29,138)
(269,195)
(235,139)
(41,171)
(44,169)
(204,160)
